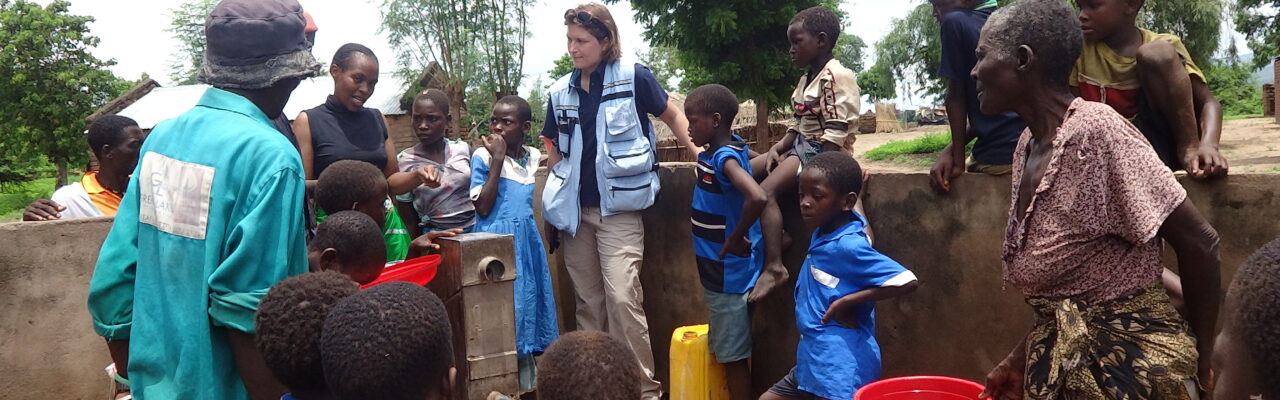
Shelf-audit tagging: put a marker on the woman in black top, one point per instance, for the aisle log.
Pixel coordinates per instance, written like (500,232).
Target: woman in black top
(344,129)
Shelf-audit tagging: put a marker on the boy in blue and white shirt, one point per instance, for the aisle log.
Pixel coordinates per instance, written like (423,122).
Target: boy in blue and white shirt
(837,287)
(727,203)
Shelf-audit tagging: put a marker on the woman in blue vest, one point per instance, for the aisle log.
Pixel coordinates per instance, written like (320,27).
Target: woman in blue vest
(603,162)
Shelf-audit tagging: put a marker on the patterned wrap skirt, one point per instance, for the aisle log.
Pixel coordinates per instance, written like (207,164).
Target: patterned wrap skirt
(1133,347)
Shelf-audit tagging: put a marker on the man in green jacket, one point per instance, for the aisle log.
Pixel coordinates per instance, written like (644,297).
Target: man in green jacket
(211,219)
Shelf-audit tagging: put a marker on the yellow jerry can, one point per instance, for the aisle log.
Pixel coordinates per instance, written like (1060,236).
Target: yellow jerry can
(695,374)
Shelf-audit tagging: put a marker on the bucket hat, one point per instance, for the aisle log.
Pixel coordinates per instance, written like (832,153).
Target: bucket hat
(252,44)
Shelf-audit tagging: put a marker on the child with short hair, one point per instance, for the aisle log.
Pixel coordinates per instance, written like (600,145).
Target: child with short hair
(589,365)
(1150,79)
(502,186)
(446,204)
(826,102)
(348,242)
(289,323)
(360,186)
(389,342)
(357,185)
(727,202)
(1247,350)
(836,291)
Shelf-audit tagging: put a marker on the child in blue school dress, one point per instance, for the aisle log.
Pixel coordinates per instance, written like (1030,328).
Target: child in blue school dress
(502,179)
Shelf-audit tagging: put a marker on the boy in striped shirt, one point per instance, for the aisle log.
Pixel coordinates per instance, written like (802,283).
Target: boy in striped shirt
(727,203)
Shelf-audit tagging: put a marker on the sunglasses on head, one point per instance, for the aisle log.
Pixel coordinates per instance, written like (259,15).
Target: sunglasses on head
(586,20)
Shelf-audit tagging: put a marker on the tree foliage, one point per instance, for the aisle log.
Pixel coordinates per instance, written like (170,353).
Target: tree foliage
(911,53)
(851,50)
(51,83)
(187,26)
(878,83)
(1197,22)
(563,66)
(1232,82)
(1259,20)
(478,44)
(665,65)
(730,43)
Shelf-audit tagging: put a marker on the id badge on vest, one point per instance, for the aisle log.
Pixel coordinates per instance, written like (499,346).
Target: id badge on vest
(566,123)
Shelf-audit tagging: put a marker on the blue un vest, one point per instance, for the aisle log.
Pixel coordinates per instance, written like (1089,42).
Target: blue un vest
(626,158)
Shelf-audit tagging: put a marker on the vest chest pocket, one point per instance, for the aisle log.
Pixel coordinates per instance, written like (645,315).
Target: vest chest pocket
(628,150)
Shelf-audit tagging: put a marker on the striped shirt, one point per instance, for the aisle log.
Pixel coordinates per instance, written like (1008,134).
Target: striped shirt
(717,206)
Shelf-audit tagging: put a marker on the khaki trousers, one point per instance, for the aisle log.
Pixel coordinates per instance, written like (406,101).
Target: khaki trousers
(603,261)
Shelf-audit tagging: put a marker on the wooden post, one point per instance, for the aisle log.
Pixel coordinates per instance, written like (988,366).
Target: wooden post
(1268,100)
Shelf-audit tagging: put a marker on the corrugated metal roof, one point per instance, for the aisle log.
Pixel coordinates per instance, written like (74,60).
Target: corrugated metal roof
(169,102)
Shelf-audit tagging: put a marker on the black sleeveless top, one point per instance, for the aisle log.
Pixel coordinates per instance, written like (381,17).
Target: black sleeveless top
(339,134)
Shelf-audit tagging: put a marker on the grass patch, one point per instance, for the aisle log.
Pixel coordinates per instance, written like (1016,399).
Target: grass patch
(920,152)
(16,196)
(1241,116)
(915,160)
(931,143)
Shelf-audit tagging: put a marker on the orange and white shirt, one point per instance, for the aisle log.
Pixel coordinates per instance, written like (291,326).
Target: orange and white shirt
(87,198)
(1106,77)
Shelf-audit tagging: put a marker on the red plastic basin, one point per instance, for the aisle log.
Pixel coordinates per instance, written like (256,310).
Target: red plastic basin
(419,271)
(920,388)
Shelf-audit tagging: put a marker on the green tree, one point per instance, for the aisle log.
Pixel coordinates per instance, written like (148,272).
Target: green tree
(1231,81)
(479,45)
(664,64)
(538,103)
(187,26)
(850,50)
(878,83)
(911,53)
(51,83)
(563,66)
(504,30)
(1197,22)
(729,42)
(1259,21)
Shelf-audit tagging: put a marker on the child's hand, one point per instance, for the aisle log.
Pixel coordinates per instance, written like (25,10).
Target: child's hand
(429,176)
(1206,162)
(771,159)
(425,244)
(497,147)
(946,169)
(738,246)
(838,312)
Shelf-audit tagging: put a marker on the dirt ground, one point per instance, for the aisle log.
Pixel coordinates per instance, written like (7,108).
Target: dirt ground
(1250,146)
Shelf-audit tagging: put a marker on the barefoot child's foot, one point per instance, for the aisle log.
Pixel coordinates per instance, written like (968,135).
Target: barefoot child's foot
(774,274)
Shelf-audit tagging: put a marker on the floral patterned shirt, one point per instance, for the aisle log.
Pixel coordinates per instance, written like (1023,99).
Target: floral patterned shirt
(1089,231)
(447,206)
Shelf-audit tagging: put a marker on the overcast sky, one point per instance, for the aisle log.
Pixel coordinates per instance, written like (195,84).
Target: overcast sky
(133,31)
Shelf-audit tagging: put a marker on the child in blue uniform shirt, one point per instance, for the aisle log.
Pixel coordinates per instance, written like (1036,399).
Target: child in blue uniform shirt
(727,203)
(504,170)
(837,287)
